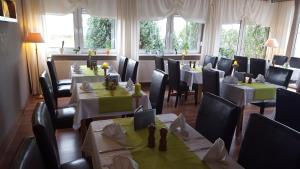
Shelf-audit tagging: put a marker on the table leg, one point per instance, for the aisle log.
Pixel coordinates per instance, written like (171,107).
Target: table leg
(200,87)
(239,126)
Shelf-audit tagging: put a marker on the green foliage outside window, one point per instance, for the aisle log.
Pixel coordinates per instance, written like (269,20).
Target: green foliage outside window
(229,41)
(99,33)
(188,37)
(149,36)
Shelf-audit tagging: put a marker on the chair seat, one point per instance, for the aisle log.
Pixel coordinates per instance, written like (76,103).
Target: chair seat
(64,82)
(64,91)
(265,104)
(77,164)
(64,117)
(183,86)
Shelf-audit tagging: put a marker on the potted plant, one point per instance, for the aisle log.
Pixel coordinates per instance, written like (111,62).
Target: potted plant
(108,46)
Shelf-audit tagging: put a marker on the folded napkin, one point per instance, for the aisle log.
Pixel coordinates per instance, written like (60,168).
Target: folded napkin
(110,69)
(122,162)
(181,124)
(217,152)
(186,67)
(86,86)
(115,132)
(230,80)
(208,66)
(76,67)
(129,84)
(239,75)
(260,78)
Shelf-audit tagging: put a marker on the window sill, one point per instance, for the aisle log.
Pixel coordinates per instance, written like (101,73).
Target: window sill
(83,57)
(195,56)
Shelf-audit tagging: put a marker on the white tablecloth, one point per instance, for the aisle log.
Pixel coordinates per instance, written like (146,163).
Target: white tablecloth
(94,143)
(87,105)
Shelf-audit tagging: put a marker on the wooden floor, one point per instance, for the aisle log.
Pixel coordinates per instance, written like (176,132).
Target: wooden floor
(69,140)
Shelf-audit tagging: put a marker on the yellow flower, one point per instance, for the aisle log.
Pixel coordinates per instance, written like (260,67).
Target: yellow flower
(105,65)
(235,63)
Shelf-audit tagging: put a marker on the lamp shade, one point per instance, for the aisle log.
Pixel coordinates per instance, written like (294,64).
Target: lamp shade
(272,43)
(34,37)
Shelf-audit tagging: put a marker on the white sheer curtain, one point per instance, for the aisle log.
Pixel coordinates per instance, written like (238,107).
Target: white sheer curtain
(33,11)
(294,28)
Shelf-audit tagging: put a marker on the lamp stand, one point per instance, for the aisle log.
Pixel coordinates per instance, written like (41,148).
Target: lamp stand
(38,72)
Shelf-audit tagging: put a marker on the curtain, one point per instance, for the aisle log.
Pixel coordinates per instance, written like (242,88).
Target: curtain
(294,28)
(33,22)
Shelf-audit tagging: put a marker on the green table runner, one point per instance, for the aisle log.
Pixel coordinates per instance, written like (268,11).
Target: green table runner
(197,69)
(118,100)
(262,91)
(88,72)
(176,157)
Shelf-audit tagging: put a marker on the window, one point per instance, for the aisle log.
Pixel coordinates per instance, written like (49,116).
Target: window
(229,40)
(297,44)
(60,28)
(255,37)
(154,35)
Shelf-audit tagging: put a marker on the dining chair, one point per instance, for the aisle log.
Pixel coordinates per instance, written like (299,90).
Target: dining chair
(157,90)
(159,63)
(44,133)
(225,65)
(175,84)
(210,59)
(211,81)
(131,71)
(61,117)
(294,62)
(280,59)
(28,156)
(287,108)
(122,67)
(217,118)
(243,63)
(257,66)
(278,76)
(269,144)
(62,88)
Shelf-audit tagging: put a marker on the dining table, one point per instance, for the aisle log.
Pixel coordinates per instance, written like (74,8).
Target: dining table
(101,102)
(182,152)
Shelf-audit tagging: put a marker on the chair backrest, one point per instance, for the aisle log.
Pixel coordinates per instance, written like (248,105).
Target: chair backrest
(257,66)
(28,156)
(211,81)
(53,74)
(48,95)
(269,144)
(279,76)
(45,136)
(225,65)
(122,67)
(287,108)
(243,63)
(279,59)
(157,90)
(295,62)
(210,59)
(217,118)
(131,70)
(159,63)
(174,73)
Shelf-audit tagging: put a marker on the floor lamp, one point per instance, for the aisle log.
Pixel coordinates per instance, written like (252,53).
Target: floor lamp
(272,43)
(34,37)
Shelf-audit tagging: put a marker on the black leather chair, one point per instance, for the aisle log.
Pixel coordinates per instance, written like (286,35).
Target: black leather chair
(278,76)
(123,61)
(287,108)
(269,144)
(279,59)
(62,88)
(61,117)
(28,156)
(131,71)
(210,59)
(211,81)
(257,66)
(159,63)
(217,118)
(243,63)
(295,62)
(46,141)
(225,65)
(157,90)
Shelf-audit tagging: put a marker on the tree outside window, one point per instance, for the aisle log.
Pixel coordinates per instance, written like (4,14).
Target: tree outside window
(229,40)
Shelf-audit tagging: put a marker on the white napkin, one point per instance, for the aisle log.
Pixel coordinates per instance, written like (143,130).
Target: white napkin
(129,84)
(110,69)
(76,67)
(186,67)
(217,152)
(260,78)
(179,123)
(115,132)
(230,80)
(122,162)
(208,66)
(86,86)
